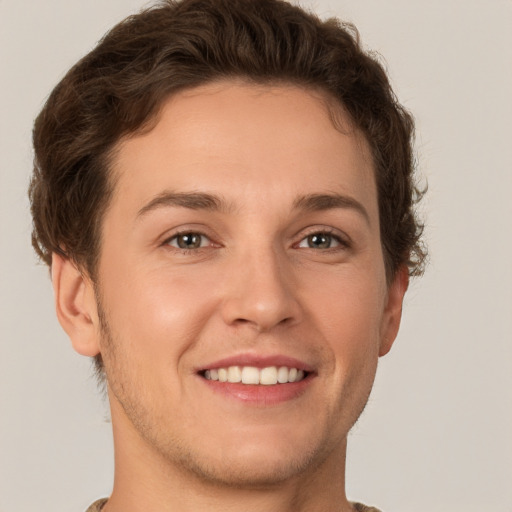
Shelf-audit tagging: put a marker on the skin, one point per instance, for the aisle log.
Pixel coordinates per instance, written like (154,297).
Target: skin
(256,285)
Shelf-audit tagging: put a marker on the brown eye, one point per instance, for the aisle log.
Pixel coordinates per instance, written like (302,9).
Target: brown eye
(188,241)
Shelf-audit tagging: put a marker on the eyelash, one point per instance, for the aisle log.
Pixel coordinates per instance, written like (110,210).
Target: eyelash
(342,242)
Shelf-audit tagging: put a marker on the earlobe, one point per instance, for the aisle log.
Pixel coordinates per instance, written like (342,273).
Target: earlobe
(75,305)
(393,310)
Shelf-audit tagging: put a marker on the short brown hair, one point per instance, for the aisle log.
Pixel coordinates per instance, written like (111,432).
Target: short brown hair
(119,86)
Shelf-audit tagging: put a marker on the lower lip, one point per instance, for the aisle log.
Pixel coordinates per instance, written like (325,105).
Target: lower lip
(260,394)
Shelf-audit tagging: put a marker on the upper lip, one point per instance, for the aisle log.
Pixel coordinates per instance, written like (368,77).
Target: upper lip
(258,361)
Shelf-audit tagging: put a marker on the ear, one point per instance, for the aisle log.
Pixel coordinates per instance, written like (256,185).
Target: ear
(75,304)
(393,310)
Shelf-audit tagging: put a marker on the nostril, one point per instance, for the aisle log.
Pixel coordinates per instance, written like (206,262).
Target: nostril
(242,321)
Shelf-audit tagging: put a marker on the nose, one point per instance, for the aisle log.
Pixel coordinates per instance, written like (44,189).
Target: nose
(260,292)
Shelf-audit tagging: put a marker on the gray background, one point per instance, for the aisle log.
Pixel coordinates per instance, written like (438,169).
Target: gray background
(437,434)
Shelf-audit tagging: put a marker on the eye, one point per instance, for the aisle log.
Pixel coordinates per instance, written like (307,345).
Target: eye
(320,240)
(188,241)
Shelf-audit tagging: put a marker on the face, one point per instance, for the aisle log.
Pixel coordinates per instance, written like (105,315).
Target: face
(242,284)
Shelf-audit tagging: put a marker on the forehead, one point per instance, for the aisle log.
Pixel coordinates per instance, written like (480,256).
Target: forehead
(239,140)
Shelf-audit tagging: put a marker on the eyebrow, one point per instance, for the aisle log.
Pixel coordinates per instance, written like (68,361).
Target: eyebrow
(191,200)
(211,202)
(321,202)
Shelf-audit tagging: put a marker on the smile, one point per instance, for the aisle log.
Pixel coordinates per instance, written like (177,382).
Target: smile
(252,375)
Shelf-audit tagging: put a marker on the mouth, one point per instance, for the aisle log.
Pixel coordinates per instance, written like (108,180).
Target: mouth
(254,376)
(258,381)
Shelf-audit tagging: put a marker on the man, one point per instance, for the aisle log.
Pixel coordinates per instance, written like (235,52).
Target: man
(223,192)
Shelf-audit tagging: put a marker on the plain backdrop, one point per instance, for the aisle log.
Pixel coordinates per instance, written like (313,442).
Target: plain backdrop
(437,433)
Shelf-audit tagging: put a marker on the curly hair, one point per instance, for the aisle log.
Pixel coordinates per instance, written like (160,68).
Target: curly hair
(119,87)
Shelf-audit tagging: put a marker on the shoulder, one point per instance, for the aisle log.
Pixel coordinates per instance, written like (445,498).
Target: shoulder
(358,507)
(97,505)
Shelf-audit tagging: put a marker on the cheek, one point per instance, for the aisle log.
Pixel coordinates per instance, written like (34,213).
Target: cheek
(156,311)
(349,313)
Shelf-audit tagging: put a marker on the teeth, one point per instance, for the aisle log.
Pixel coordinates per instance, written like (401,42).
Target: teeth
(251,375)
(268,376)
(234,374)
(283,375)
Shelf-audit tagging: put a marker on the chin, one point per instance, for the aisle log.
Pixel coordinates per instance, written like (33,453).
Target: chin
(247,473)
(262,462)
